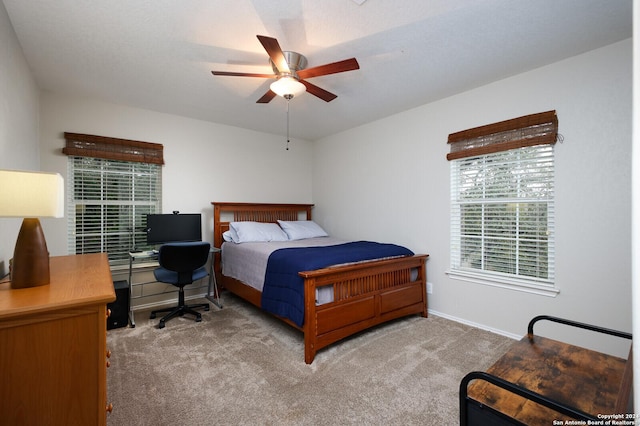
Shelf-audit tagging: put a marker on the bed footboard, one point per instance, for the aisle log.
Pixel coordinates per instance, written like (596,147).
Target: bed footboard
(364,295)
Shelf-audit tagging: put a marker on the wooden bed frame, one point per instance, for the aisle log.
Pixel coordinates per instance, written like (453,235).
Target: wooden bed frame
(365,294)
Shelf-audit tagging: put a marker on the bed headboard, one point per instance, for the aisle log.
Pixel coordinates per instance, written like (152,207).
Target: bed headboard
(224,213)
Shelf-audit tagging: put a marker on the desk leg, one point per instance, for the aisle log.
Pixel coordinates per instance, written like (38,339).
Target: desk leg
(132,320)
(213,288)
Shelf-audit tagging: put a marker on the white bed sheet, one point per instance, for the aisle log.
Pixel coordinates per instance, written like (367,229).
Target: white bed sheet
(247,262)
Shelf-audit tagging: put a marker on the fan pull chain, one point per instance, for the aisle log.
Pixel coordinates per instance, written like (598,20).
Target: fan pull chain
(288,98)
(287,124)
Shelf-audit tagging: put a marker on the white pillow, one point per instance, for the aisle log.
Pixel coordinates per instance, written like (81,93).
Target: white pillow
(301,229)
(256,232)
(229,235)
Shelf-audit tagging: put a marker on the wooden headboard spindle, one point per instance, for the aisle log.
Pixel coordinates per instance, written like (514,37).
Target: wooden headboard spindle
(264,216)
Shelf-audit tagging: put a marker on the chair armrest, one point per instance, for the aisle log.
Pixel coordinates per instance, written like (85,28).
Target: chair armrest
(518,390)
(576,324)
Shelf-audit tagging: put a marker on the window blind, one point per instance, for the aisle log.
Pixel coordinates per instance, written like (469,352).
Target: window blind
(502,214)
(529,130)
(82,145)
(107,204)
(502,202)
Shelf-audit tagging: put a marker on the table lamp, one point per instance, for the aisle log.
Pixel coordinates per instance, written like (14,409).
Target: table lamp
(30,195)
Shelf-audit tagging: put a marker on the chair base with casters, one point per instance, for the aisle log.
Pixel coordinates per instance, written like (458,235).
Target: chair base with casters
(181,264)
(180,310)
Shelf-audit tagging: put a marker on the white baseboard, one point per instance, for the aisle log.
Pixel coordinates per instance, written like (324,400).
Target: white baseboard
(476,325)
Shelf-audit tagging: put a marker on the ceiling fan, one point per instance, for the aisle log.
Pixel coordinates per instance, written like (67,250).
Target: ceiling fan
(291,74)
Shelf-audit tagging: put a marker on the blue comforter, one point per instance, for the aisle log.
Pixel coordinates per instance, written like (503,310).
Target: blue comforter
(283,291)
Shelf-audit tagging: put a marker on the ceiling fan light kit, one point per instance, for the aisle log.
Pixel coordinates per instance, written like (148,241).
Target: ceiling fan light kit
(291,73)
(287,86)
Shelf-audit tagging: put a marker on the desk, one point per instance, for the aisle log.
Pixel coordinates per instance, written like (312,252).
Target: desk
(213,294)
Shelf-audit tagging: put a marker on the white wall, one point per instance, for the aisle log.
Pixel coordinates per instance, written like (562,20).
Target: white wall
(635,218)
(204,161)
(18,124)
(389,180)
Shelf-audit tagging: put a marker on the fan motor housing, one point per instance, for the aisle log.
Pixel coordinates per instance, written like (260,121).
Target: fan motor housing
(295,60)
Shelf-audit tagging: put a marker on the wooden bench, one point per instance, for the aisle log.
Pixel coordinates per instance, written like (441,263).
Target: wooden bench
(540,380)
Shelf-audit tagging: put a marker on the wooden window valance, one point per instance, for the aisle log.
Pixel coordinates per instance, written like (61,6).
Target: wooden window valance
(530,130)
(113,149)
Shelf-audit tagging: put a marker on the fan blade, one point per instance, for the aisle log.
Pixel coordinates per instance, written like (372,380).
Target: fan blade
(332,68)
(243,74)
(317,91)
(266,98)
(272,47)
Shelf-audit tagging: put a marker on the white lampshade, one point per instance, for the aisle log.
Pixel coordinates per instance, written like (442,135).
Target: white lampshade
(287,86)
(31,194)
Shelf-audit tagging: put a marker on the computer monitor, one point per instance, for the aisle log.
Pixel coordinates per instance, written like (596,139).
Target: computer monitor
(169,228)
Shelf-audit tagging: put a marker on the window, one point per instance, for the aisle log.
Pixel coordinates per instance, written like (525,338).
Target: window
(502,204)
(108,199)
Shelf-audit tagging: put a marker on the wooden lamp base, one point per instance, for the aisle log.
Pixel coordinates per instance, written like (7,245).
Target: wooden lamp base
(30,267)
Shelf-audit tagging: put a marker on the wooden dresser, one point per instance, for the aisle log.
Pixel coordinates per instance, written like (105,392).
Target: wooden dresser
(53,346)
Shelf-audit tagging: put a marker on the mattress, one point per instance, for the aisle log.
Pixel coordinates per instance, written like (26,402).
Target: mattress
(247,262)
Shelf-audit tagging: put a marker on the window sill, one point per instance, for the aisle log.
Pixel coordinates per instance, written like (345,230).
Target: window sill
(548,290)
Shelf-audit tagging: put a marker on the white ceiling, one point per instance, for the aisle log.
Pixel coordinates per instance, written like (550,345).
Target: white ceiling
(158,54)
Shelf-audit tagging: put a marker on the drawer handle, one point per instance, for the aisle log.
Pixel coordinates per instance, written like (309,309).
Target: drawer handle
(109,407)
(108,364)
(108,353)
(108,313)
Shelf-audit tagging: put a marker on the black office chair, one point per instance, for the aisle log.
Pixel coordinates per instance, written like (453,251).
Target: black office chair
(182,264)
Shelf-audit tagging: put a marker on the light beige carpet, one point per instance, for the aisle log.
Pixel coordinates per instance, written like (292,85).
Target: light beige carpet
(240,366)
